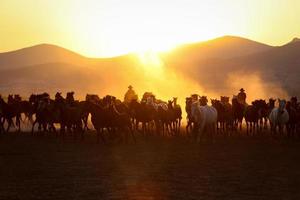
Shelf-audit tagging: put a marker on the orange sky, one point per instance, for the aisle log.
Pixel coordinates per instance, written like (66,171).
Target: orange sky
(102,28)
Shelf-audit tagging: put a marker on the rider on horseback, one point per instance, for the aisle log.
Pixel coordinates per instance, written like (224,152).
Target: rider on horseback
(241,97)
(130,95)
(70,98)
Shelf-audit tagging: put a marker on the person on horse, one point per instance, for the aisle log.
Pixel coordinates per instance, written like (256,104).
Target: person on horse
(70,98)
(241,97)
(130,95)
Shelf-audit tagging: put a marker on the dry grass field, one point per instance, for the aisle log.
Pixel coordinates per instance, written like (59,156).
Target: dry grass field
(45,167)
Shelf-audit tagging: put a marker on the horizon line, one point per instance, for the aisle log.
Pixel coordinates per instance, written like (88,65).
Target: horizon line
(133,52)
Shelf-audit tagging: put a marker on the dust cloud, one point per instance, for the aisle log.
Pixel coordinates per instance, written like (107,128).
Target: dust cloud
(255,86)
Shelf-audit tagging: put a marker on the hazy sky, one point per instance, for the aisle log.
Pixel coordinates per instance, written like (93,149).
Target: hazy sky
(113,27)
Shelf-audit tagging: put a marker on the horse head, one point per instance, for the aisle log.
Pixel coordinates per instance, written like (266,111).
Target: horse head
(203,100)
(70,95)
(17,98)
(282,103)
(175,101)
(10,99)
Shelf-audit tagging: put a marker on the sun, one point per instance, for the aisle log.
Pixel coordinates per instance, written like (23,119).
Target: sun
(106,30)
(152,65)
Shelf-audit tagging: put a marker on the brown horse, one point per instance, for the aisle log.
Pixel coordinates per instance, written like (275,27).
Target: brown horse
(10,110)
(142,113)
(176,113)
(190,120)
(252,117)
(225,116)
(238,110)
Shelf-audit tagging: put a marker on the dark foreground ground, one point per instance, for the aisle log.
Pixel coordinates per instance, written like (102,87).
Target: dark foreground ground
(156,168)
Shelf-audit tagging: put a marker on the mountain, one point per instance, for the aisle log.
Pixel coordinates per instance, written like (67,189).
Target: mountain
(219,66)
(222,47)
(295,40)
(273,66)
(39,54)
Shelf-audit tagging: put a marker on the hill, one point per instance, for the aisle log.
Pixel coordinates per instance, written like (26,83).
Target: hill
(219,66)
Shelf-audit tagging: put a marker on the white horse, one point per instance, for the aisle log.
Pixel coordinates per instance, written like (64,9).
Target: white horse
(205,118)
(151,102)
(279,117)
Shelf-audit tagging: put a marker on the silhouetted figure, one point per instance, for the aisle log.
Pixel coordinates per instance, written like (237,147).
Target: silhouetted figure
(70,98)
(130,95)
(241,97)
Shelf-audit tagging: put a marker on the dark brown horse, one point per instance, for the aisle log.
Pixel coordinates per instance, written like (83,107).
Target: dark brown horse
(225,115)
(175,113)
(10,110)
(142,113)
(238,110)
(252,117)
(293,119)
(190,120)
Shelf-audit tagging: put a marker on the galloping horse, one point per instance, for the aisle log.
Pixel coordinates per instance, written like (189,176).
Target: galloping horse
(205,118)
(279,117)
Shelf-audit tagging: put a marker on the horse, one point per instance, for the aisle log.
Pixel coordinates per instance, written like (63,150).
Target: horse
(252,117)
(99,118)
(188,110)
(46,112)
(175,112)
(279,117)
(263,113)
(121,121)
(225,115)
(293,119)
(142,113)
(10,110)
(205,119)
(71,114)
(238,110)
(1,120)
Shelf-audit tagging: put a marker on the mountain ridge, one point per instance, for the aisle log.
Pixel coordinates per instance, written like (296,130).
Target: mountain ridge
(210,64)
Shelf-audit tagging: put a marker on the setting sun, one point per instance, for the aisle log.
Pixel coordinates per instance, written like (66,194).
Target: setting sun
(111,27)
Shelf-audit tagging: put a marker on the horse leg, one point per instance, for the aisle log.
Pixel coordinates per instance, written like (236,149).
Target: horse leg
(187,127)
(143,128)
(240,125)
(179,125)
(100,134)
(265,123)
(9,121)
(32,129)
(18,123)
(212,132)
(54,130)
(132,134)
(45,128)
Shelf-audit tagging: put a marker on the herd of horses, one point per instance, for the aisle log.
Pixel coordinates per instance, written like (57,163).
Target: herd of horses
(225,117)
(108,115)
(112,118)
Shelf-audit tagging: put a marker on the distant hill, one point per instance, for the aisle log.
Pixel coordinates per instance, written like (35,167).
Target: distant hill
(221,66)
(223,47)
(275,66)
(295,40)
(39,54)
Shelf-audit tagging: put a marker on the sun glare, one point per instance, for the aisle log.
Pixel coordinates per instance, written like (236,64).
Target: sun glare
(111,30)
(107,28)
(152,64)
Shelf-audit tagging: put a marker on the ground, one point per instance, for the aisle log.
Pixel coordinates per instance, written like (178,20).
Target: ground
(45,167)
